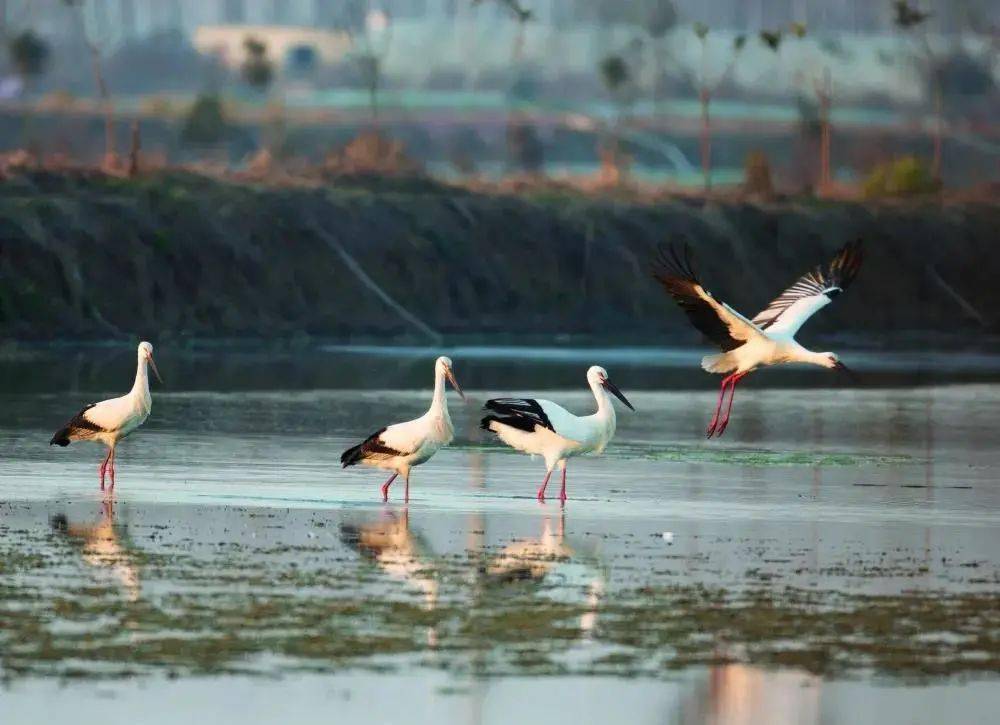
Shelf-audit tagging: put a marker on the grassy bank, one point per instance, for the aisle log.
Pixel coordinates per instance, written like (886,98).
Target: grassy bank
(174,255)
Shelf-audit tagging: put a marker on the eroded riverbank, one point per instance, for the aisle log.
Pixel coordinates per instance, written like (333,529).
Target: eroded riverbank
(96,257)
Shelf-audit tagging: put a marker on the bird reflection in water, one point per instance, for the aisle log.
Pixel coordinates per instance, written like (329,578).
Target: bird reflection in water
(390,544)
(103,545)
(738,694)
(550,560)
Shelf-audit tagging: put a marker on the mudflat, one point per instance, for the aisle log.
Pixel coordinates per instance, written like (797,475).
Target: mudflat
(837,548)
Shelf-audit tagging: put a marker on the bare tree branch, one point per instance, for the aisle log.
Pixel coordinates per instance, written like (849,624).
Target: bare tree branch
(355,268)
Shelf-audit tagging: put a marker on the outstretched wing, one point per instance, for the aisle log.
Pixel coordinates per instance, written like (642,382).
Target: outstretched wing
(811,292)
(720,323)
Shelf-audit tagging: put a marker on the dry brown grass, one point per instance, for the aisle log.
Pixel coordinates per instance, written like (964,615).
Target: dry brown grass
(371,151)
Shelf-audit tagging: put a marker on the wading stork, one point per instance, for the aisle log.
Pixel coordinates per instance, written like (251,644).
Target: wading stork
(400,447)
(767,339)
(111,420)
(541,427)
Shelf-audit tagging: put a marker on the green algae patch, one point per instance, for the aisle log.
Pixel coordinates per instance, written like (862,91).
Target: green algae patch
(910,635)
(13,562)
(187,611)
(752,456)
(727,456)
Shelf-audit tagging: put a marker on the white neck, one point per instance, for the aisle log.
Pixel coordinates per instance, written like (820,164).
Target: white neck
(439,401)
(605,408)
(141,385)
(813,358)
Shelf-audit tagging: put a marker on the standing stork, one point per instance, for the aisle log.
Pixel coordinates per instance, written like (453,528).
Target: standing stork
(767,339)
(544,428)
(400,447)
(111,420)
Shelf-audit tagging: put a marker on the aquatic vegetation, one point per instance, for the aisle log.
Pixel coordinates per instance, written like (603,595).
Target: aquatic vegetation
(758,456)
(730,456)
(277,610)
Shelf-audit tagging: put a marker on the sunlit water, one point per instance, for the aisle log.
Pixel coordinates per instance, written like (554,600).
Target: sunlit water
(831,559)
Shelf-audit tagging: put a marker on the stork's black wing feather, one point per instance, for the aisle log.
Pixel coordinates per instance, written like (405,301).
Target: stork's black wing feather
(372,447)
(521,413)
(76,425)
(828,282)
(674,269)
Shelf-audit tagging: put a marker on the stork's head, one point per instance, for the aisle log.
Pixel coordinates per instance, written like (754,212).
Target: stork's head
(831,361)
(145,353)
(598,377)
(442,366)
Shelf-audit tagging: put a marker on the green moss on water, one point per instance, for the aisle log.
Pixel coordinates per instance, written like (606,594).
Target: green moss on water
(730,456)
(755,457)
(13,561)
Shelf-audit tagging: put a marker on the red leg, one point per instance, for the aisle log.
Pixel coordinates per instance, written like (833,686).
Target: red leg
(104,467)
(541,491)
(729,409)
(385,487)
(562,493)
(406,496)
(718,406)
(112,471)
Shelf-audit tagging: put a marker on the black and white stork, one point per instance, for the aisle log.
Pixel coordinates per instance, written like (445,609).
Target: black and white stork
(767,339)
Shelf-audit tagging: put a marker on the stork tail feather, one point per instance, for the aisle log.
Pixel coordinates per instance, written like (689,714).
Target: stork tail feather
(722,363)
(513,421)
(371,449)
(353,455)
(79,427)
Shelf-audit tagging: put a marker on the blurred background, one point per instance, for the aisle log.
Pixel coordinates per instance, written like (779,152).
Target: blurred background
(802,94)
(373,169)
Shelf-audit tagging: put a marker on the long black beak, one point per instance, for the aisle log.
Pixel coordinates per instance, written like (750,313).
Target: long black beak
(841,368)
(155,371)
(613,389)
(454,383)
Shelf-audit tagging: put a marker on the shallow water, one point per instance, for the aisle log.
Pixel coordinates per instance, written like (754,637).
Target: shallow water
(831,559)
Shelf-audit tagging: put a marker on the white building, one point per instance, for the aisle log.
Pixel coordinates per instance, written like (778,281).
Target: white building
(565,37)
(226,42)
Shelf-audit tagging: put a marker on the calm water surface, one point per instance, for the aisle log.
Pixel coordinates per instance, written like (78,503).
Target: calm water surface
(832,559)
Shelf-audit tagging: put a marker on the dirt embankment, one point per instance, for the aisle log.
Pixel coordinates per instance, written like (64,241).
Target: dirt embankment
(87,256)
